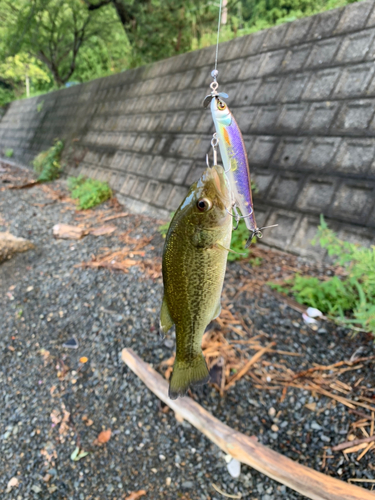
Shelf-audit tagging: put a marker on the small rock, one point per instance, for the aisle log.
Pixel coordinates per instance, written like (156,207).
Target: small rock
(234,468)
(36,488)
(274,428)
(326,439)
(272,412)
(314,425)
(187,485)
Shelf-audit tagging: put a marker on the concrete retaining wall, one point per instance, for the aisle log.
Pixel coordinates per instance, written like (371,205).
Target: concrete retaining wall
(303,94)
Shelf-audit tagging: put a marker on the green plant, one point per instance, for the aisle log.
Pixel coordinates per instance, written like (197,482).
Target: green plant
(163,229)
(88,192)
(238,241)
(9,153)
(39,106)
(47,163)
(349,298)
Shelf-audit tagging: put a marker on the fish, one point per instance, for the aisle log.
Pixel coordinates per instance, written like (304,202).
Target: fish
(193,267)
(236,164)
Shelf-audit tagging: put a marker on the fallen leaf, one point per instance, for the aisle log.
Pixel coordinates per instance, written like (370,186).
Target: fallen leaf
(103,437)
(103,230)
(83,360)
(311,406)
(13,483)
(134,495)
(68,232)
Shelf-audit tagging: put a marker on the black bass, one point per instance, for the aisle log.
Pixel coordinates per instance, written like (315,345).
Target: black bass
(194,263)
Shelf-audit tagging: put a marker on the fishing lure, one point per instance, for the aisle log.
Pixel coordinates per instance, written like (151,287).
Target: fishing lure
(234,157)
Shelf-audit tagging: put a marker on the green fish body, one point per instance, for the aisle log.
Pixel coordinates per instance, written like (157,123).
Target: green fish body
(194,262)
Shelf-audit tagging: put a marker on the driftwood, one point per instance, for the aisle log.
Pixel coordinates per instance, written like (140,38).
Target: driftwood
(9,245)
(247,450)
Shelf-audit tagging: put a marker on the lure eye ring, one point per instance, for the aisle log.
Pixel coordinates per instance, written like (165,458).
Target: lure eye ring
(221,105)
(204,204)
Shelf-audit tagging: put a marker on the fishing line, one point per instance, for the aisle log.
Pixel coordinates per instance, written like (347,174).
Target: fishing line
(218,34)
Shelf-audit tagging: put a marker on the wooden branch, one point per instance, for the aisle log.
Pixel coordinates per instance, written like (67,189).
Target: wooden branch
(349,444)
(247,450)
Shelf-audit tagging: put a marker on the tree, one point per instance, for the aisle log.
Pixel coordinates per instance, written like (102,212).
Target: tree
(54,31)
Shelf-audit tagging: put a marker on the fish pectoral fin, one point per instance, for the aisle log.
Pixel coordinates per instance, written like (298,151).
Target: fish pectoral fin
(166,322)
(222,247)
(217,311)
(186,374)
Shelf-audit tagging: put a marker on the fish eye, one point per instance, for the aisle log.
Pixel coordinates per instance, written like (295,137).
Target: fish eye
(204,205)
(221,105)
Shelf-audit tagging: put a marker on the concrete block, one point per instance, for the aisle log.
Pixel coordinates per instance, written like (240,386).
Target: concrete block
(354,80)
(354,156)
(355,115)
(250,66)
(320,116)
(163,195)
(322,84)
(202,146)
(296,57)
(138,188)
(151,191)
(191,121)
(301,243)
(272,62)
(235,48)
(195,172)
(247,92)
(253,43)
(292,116)
(325,23)
(355,47)
(176,197)
(319,153)
(353,201)
(161,142)
(145,166)
(167,169)
(323,53)
(181,171)
(285,189)
(262,150)
(230,70)
(293,87)
(269,89)
(186,79)
(136,163)
(246,117)
(266,119)
(188,146)
(155,166)
(298,31)
(289,152)
(205,124)
(262,179)
(354,17)
(274,37)
(287,224)
(317,194)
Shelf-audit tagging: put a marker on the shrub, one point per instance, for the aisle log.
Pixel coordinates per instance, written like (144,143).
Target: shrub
(350,298)
(88,192)
(47,163)
(9,153)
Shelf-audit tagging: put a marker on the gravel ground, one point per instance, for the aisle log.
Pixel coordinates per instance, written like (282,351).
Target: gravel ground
(53,401)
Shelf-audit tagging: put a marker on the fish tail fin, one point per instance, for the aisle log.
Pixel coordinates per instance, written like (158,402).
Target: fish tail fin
(187,373)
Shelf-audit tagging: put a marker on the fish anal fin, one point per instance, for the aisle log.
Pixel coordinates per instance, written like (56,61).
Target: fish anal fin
(166,322)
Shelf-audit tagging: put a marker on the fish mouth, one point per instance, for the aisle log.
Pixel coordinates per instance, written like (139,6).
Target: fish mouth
(217,173)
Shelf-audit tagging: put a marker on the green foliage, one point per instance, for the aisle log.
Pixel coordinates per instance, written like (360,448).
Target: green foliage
(163,229)
(237,244)
(88,192)
(349,299)
(9,153)
(47,163)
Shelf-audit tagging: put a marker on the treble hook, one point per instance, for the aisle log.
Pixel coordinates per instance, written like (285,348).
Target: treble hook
(258,233)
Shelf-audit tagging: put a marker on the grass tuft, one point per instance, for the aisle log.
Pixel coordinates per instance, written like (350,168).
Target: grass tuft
(47,163)
(88,192)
